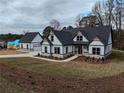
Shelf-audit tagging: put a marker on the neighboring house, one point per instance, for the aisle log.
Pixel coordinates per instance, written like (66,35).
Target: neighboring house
(91,42)
(2,44)
(31,41)
(13,44)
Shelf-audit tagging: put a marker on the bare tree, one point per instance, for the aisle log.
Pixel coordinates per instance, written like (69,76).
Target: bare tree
(97,11)
(110,7)
(78,19)
(119,5)
(115,18)
(55,24)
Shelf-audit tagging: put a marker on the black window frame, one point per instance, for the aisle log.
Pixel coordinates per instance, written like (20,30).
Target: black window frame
(96,51)
(57,50)
(46,49)
(66,49)
(27,46)
(52,38)
(79,38)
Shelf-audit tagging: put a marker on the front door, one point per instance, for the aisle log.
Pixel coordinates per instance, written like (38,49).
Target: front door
(79,49)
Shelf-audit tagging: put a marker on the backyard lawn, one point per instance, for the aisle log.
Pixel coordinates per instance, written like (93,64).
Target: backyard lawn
(77,76)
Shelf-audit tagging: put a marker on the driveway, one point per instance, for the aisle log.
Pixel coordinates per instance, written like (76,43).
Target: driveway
(28,54)
(16,55)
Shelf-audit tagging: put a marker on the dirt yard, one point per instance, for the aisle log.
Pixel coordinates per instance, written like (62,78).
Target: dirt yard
(41,83)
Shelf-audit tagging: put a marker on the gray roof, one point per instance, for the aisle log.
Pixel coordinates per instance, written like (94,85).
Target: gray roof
(64,37)
(102,32)
(28,37)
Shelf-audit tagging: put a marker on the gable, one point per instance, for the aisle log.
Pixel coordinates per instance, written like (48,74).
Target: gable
(45,42)
(96,41)
(80,34)
(28,37)
(37,38)
(56,40)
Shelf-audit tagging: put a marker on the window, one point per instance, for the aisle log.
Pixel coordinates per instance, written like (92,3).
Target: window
(27,46)
(57,50)
(52,38)
(21,45)
(79,38)
(66,50)
(96,51)
(45,49)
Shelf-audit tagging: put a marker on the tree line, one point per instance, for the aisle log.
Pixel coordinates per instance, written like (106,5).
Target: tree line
(9,37)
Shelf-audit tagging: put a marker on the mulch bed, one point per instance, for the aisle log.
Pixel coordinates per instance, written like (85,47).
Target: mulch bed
(92,60)
(41,83)
(54,58)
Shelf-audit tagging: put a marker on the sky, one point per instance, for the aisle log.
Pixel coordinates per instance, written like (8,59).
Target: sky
(17,16)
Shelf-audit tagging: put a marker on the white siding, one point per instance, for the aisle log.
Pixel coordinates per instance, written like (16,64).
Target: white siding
(43,50)
(101,49)
(61,49)
(58,55)
(108,49)
(70,49)
(80,34)
(110,39)
(97,44)
(34,45)
(25,46)
(84,39)
(56,40)
(38,38)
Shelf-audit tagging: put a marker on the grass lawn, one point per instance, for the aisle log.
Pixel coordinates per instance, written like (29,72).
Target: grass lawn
(9,52)
(9,87)
(71,69)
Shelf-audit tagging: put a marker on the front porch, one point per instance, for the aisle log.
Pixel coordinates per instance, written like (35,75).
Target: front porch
(80,50)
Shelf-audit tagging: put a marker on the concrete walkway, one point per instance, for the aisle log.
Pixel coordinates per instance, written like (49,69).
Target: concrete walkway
(31,54)
(52,60)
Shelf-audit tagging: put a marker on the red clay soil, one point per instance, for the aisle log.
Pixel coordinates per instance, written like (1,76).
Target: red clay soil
(41,83)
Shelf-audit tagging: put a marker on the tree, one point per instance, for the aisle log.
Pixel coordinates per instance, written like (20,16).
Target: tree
(88,21)
(110,7)
(78,19)
(97,11)
(55,24)
(109,13)
(119,6)
(69,27)
(47,30)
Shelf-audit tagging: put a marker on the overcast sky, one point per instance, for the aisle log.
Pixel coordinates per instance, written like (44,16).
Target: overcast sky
(34,15)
